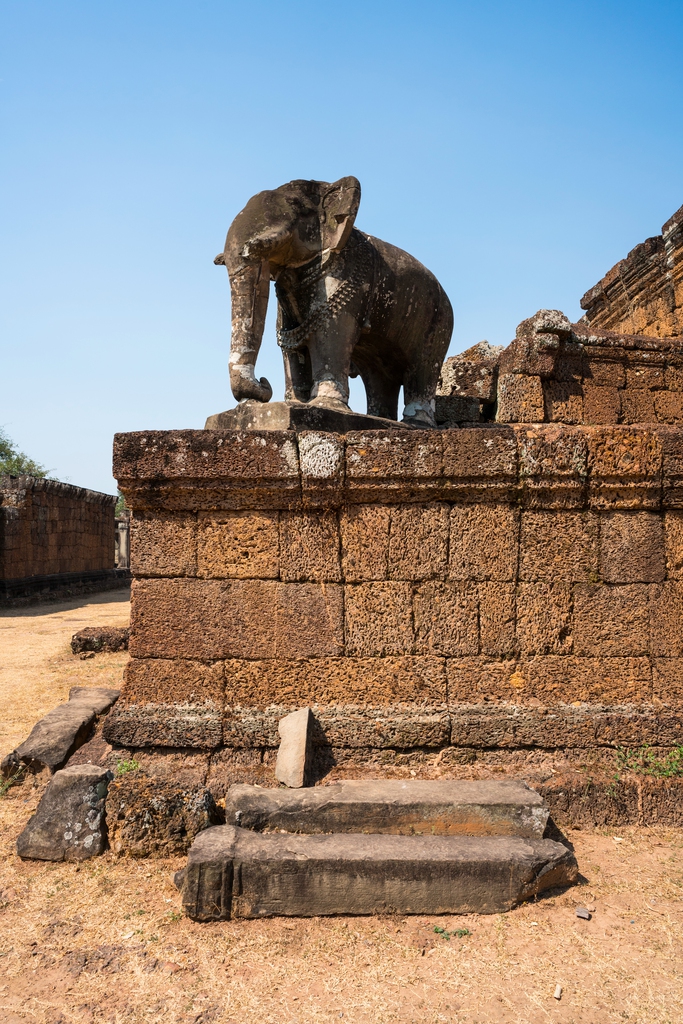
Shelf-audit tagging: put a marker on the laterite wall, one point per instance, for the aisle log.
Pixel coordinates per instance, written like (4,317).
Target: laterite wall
(495,587)
(49,528)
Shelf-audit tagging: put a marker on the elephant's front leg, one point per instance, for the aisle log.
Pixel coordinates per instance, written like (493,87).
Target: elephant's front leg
(330,348)
(298,380)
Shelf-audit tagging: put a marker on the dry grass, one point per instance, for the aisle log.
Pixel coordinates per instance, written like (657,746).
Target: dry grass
(106,942)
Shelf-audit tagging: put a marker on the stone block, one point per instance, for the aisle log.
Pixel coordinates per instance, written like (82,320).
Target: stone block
(673,544)
(669,406)
(446,619)
(641,376)
(69,821)
(603,373)
(55,737)
(418,542)
(558,546)
(372,681)
(625,468)
(666,619)
(155,816)
(484,542)
(568,679)
(632,547)
(204,619)
(451,410)
(318,875)
(611,621)
(667,680)
(673,378)
(207,469)
(563,401)
(378,619)
(238,545)
(601,404)
(520,399)
(497,618)
(294,749)
(322,461)
(211,619)
(364,533)
(174,680)
(479,460)
(553,466)
(544,618)
(181,724)
(310,620)
(578,800)
(309,547)
(163,544)
(638,407)
(389,466)
(393,807)
(471,680)
(396,726)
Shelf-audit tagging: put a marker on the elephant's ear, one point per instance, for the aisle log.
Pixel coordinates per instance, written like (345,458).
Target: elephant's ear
(339,206)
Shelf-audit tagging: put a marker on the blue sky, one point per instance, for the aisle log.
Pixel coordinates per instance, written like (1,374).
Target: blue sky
(518,149)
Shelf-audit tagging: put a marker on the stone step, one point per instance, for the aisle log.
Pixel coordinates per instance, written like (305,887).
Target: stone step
(232,872)
(394,806)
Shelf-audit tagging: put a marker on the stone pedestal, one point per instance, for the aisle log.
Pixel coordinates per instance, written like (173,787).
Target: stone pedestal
(485,589)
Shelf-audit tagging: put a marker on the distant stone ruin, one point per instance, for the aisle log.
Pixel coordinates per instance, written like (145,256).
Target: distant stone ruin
(55,540)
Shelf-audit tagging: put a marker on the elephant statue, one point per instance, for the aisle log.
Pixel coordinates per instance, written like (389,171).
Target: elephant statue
(348,304)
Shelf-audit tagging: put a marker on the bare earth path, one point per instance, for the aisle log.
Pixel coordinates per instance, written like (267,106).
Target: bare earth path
(107,942)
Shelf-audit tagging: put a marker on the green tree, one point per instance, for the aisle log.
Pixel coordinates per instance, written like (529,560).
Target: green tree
(15,463)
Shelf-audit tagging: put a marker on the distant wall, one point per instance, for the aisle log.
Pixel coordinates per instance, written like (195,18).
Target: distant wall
(54,536)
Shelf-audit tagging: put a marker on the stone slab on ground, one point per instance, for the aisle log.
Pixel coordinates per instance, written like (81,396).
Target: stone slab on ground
(415,806)
(294,729)
(252,415)
(69,821)
(55,737)
(232,872)
(100,639)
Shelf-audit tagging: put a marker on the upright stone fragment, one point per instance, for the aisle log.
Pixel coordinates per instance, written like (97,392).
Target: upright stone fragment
(235,873)
(69,822)
(290,767)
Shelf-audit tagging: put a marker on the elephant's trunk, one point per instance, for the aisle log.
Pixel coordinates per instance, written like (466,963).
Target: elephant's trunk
(249,287)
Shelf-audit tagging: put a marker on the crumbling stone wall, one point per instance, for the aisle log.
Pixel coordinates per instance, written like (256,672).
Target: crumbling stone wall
(494,587)
(558,372)
(50,529)
(643,294)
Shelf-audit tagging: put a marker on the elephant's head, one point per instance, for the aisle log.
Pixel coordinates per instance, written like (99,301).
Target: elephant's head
(286,227)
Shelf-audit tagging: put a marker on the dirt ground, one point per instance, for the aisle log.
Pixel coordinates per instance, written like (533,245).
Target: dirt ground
(107,942)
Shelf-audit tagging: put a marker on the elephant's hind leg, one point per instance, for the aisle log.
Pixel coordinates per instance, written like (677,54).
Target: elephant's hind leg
(382,394)
(422,374)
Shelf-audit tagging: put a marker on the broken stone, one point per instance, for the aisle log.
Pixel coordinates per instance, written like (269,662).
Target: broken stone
(232,872)
(290,767)
(415,806)
(99,639)
(151,816)
(583,913)
(69,821)
(56,736)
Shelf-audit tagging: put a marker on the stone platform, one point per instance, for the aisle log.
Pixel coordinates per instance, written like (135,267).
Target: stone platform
(498,588)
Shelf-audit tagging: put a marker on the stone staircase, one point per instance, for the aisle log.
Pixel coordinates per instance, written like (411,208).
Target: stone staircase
(374,847)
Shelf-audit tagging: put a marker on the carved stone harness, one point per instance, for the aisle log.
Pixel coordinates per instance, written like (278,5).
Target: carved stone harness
(294,338)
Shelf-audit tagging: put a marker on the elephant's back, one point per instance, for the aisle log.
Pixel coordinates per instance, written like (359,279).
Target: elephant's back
(408,289)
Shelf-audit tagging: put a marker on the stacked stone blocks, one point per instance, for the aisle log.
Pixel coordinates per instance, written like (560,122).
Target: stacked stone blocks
(488,587)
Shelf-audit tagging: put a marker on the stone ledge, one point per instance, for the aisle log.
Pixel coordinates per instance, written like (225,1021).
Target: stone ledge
(536,465)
